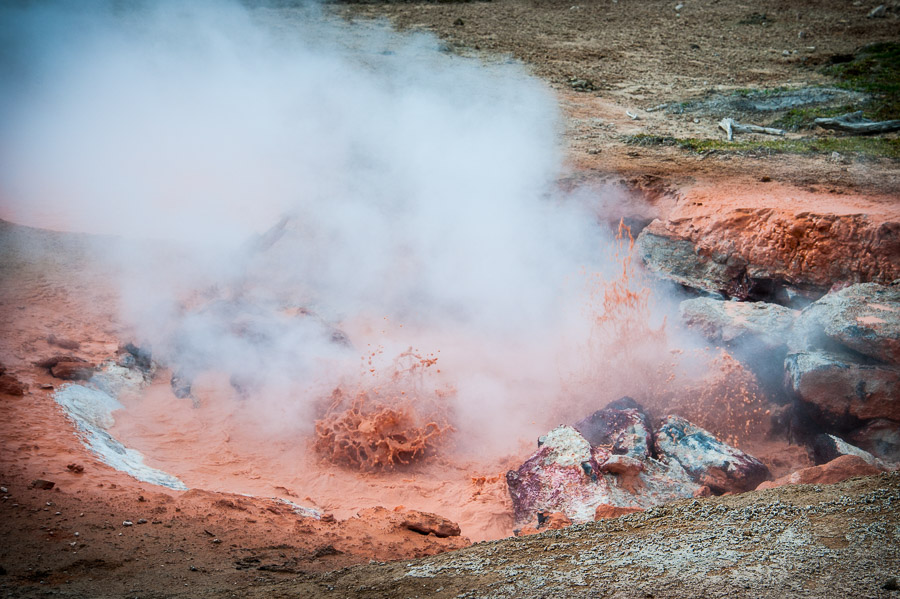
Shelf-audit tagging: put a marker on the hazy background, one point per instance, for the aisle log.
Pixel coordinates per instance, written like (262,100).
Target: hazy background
(409,197)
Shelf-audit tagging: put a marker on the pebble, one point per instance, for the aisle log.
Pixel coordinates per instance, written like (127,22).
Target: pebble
(142,521)
(4,490)
(127,523)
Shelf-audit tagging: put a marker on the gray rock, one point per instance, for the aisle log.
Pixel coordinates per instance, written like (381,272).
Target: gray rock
(709,461)
(864,318)
(678,260)
(755,323)
(843,389)
(829,447)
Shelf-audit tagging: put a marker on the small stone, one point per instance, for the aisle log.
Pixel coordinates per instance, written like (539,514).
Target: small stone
(878,12)
(127,523)
(4,490)
(786,53)
(142,521)
(679,6)
(40,483)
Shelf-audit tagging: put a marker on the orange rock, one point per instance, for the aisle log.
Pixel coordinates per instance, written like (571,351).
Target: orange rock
(605,510)
(426,523)
(73,371)
(835,471)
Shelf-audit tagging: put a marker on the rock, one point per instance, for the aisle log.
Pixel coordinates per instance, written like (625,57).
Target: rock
(718,245)
(841,389)
(828,447)
(10,385)
(181,384)
(880,437)
(40,483)
(76,468)
(566,474)
(835,471)
(427,523)
(605,511)
(561,476)
(758,324)
(709,461)
(73,371)
(621,425)
(142,357)
(127,523)
(864,318)
(879,12)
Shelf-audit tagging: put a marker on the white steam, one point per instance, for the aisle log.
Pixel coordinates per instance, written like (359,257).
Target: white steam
(418,189)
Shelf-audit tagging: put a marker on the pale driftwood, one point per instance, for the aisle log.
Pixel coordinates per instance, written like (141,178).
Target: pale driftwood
(727,125)
(657,107)
(730,126)
(854,123)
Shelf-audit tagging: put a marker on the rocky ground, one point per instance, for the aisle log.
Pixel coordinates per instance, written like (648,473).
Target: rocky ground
(677,67)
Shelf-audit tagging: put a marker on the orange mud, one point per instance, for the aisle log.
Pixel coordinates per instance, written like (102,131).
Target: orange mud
(228,444)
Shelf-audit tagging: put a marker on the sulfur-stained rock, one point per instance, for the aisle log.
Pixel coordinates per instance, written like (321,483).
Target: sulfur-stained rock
(835,471)
(621,425)
(844,389)
(709,461)
(566,474)
(561,476)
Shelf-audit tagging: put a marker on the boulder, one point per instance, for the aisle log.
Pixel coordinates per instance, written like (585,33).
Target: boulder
(864,318)
(843,389)
(622,426)
(561,476)
(756,324)
(787,240)
(835,471)
(880,437)
(707,460)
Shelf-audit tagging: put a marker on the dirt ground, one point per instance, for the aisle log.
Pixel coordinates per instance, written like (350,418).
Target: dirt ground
(803,541)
